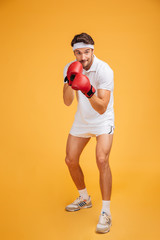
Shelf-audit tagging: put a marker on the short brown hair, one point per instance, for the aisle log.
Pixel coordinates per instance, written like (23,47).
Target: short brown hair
(83,37)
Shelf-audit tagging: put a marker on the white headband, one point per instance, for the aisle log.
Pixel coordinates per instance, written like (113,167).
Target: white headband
(82,45)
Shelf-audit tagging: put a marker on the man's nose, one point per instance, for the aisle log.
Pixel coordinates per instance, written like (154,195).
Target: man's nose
(83,56)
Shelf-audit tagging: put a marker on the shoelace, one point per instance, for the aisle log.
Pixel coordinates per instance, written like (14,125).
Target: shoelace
(104,218)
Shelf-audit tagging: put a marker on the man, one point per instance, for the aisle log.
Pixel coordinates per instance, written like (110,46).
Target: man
(92,81)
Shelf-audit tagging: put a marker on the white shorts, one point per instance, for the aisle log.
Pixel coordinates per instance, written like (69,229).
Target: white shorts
(87,131)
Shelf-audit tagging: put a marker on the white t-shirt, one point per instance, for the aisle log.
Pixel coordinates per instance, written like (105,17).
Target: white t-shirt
(101,77)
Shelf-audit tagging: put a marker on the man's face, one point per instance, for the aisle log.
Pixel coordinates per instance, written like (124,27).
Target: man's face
(84,56)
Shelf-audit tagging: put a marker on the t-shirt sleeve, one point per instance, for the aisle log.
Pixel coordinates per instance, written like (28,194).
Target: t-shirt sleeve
(65,70)
(105,79)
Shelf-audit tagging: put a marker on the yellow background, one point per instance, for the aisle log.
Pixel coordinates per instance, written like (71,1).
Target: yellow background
(35,184)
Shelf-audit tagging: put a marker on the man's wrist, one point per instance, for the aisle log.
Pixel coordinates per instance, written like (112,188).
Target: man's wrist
(91,92)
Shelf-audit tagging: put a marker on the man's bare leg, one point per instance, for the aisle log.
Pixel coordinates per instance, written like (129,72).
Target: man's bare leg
(104,144)
(103,148)
(74,148)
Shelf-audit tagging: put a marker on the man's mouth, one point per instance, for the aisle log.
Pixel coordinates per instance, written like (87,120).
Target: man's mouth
(83,62)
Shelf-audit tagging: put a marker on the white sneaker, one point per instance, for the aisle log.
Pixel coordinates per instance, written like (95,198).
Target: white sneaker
(78,204)
(104,224)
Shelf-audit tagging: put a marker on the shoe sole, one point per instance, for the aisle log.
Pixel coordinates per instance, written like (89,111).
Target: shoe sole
(74,210)
(102,231)
(98,230)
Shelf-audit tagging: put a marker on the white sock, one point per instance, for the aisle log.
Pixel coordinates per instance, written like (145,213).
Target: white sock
(83,193)
(106,207)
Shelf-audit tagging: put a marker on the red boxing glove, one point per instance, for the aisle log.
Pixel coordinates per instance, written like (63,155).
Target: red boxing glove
(73,69)
(81,82)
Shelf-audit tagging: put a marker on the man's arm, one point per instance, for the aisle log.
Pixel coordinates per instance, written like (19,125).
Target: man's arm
(68,94)
(100,102)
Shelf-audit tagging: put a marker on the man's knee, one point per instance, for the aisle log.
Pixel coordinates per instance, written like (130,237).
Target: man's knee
(103,162)
(71,161)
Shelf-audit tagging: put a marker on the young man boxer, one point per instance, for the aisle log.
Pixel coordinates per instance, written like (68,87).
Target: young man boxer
(92,81)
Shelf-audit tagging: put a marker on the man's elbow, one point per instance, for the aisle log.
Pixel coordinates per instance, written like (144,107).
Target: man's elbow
(102,110)
(67,102)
